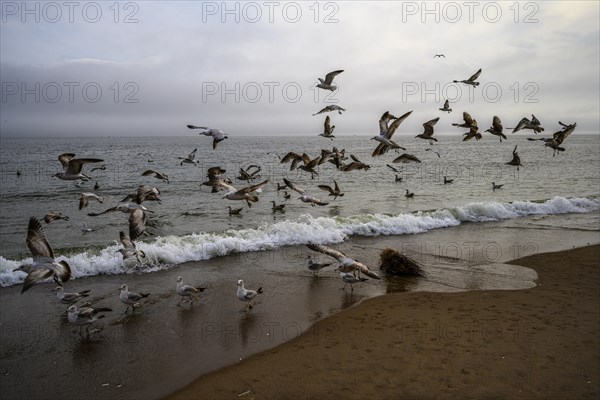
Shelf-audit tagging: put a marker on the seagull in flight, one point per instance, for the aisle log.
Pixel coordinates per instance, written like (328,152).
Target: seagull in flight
(72,167)
(496,128)
(526,123)
(346,264)
(217,134)
(304,195)
(331,107)
(386,133)
(439,55)
(44,266)
(327,84)
(446,107)
(242,194)
(428,130)
(327,129)
(471,80)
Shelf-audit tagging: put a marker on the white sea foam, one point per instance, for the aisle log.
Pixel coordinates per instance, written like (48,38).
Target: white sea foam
(166,252)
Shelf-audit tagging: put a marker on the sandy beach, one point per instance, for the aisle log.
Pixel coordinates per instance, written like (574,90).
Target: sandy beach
(542,342)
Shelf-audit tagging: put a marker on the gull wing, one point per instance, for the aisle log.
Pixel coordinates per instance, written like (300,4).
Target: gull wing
(338,255)
(193,154)
(75,165)
(253,188)
(36,240)
(447,103)
(467,118)
(65,158)
(329,77)
(36,276)
(392,168)
(497,124)
(137,223)
(429,126)
(293,186)
(327,126)
(396,124)
(125,241)
(522,124)
(326,188)
(406,158)
(475,75)
(534,120)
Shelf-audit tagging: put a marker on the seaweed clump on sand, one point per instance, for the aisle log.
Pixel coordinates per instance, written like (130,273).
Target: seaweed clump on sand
(393,262)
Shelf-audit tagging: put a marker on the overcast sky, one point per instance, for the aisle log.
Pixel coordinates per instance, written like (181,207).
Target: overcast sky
(148,68)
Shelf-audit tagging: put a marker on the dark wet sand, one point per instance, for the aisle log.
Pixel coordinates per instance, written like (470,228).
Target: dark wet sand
(541,343)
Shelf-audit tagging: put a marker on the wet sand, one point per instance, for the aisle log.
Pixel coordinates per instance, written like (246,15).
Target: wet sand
(542,342)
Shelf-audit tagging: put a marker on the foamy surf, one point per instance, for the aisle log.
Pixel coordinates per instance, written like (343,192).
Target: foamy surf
(166,252)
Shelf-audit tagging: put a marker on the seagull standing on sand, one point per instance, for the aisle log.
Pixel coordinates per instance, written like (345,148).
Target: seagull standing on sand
(130,298)
(187,291)
(346,264)
(247,295)
(85,316)
(72,167)
(471,80)
(44,266)
(327,84)
(314,266)
(69,298)
(350,278)
(217,134)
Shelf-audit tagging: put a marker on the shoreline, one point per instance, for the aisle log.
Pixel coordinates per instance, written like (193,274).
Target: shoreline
(534,343)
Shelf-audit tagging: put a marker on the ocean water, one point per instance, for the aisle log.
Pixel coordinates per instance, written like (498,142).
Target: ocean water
(193,224)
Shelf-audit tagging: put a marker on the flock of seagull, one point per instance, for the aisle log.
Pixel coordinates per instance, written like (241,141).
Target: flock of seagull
(45,267)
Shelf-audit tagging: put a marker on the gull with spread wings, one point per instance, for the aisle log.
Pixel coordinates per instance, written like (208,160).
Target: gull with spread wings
(304,195)
(327,84)
(44,266)
(246,193)
(386,133)
(72,167)
(346,264)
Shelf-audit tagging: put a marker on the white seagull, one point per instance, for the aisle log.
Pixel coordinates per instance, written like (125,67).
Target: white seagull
(346,264)
(187,291)
(217,134)
(130,298)
(350,278)
(242,194)
(85,316)
(85,197)
(69,298)
(247,295)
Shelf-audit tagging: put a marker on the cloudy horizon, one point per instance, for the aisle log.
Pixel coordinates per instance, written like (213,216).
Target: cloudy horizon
(150,68)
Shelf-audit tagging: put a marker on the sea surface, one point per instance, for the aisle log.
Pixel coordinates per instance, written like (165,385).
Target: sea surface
(193,224)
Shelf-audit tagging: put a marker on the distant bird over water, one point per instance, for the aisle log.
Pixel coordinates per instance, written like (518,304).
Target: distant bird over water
(327,83)
(439,55)
(54,215)
(190,159)
(471,80)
